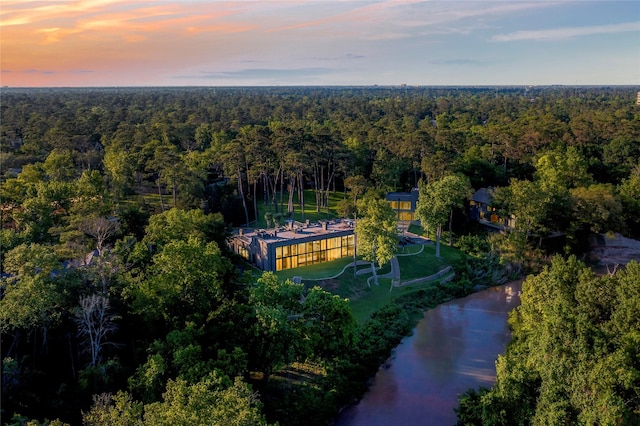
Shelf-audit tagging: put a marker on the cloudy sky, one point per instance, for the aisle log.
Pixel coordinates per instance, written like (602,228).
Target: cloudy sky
(318,42)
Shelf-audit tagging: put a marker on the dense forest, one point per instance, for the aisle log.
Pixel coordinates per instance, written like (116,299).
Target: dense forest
(121,303)
(573,358)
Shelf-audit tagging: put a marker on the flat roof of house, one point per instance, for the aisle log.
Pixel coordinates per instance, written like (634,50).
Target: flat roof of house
(406,195)
(296,231)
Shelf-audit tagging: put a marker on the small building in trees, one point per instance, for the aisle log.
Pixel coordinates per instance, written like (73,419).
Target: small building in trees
(404,204)
(294,245)
(481,209)
(480,206)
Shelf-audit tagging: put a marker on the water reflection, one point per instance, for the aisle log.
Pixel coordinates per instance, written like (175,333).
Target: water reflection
(452,349)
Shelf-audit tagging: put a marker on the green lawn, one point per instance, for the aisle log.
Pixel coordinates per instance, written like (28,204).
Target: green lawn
(415,229)
(426,263)
(321,270)
(409,249)
(421,265)
(151,201)
(378,296)
(365,300)
(310,212)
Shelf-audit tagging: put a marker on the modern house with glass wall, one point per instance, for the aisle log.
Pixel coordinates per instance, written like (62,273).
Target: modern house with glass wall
(404,204)
(296,244)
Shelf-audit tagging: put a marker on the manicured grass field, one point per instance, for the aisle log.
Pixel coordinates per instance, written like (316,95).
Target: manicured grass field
(368,300)
(310,210)
(365,300)
(426,263)
(321,270)
(378,296)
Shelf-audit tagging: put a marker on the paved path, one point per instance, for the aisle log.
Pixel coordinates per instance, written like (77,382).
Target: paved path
(395,268)
(350,265)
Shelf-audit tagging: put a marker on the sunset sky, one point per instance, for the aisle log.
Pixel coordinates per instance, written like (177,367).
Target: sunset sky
(316,42)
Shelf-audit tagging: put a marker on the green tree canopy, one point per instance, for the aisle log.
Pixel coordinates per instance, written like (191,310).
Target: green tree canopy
(563,168)
(31,299)
(438,199)
(598,208)
(59,165)
(376,230)
(45,206)
(357,185)
(211,401)
(574,354)
(208,402)
(276,334)
(629,191)
(186,281)
(119,167)
(330,324)
(176,224)
(537,208)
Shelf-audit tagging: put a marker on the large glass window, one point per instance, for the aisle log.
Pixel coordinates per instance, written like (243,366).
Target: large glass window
(242,251)
(301,254)
(405,216)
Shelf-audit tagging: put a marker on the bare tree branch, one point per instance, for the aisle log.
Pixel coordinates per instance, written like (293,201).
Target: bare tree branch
(99,228)
(95,323)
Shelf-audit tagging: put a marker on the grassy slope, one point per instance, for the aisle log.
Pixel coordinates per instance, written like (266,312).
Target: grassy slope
(365,300)
(418,266)
(310,208)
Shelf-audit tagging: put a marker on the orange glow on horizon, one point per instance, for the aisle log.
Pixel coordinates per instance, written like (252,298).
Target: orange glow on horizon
(70,42)
(278,42)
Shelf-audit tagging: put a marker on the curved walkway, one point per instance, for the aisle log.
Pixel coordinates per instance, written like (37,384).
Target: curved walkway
(394,274)
(433,277)
(412,254)
(349,265)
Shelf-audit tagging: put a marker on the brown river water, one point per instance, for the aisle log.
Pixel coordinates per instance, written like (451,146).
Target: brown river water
(453,348)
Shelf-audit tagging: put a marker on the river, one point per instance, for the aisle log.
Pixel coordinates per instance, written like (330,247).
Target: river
(453,348)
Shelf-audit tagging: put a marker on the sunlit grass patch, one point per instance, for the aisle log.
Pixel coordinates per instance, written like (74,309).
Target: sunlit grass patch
(364,299)
(317,271)
(300,373)
(311,212)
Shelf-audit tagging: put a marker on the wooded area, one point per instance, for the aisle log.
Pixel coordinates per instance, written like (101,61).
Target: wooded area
(574,357)
(116,205)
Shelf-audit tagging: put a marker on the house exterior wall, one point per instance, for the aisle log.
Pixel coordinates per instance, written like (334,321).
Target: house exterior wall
(312,250)
(404,204)
(279,249)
